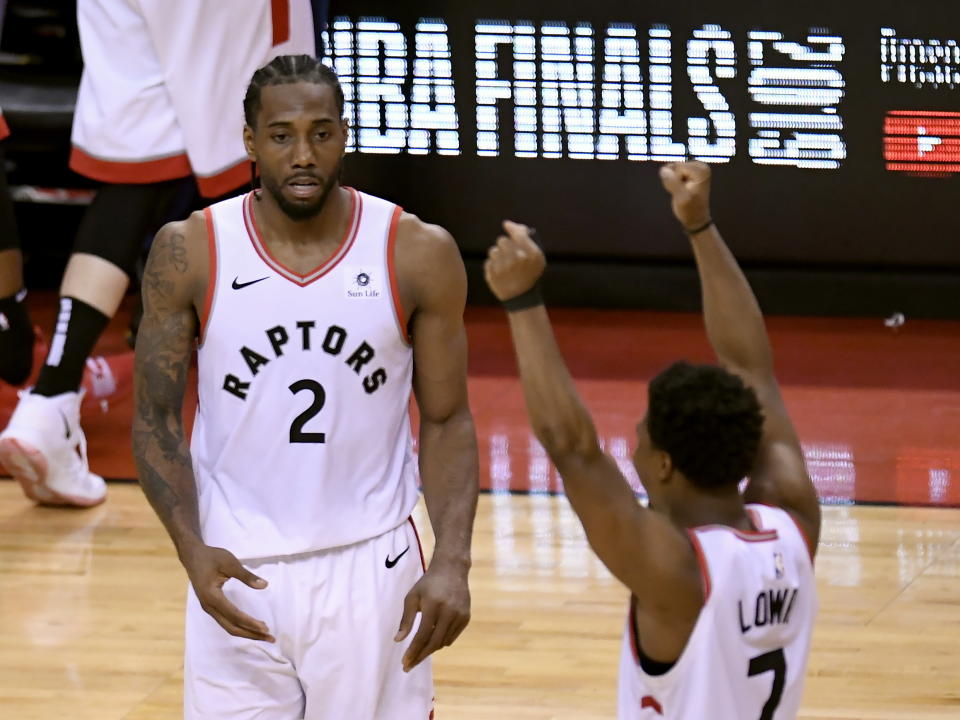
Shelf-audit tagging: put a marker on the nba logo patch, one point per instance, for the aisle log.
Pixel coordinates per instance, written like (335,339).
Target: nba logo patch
(363,283)
(778,565)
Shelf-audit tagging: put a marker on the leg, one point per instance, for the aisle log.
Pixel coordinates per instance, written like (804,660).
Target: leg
(110,239)
(348,659)
(230,677)
(11,270)
(16,333)
(125,132)
(43,446)
(96,281)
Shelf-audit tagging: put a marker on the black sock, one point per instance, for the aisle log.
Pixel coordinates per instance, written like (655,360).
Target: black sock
(16,339)
(78,327)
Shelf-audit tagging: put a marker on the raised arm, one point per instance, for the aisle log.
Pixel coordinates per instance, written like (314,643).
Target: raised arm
(432,271)
(174,277)
(640,547)
(738,335)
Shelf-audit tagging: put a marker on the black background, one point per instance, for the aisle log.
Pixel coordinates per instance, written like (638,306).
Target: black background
(857,216)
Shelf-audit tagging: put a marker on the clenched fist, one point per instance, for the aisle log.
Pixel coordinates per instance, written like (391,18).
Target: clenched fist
(689,184)
(514,264)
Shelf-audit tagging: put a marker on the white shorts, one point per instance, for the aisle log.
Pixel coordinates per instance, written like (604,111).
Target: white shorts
(161,94)
(334,614)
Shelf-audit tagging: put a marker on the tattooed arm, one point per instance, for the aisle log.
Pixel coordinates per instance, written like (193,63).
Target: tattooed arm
(174,285)
(164,349)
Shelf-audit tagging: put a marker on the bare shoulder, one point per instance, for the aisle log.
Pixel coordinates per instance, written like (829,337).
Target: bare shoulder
(175,239)
(424,241)
(780,478)
(178,262)
(428,262)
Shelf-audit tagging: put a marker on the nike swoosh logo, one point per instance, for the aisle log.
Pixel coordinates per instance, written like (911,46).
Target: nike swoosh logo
(66,425)
(390,563)
(240,285)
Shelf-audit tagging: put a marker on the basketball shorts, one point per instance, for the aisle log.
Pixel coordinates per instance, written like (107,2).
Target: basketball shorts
(4,130)
(334,614)
(162,90)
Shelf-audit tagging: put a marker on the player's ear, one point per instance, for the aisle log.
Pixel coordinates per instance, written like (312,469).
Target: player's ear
(345,128)
(248,143)
(664,465)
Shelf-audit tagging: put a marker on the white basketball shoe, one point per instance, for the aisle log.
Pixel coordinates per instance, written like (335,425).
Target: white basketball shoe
(44,448)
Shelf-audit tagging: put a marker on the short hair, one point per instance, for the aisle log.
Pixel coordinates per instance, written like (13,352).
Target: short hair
(707,420)
(286,70)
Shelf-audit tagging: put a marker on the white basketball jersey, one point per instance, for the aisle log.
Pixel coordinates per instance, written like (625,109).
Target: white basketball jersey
(302,436)
(747,655)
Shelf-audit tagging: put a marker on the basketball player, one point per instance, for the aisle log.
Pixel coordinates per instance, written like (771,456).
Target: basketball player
(16,333)
(317,307)
(156,73)
(723,595)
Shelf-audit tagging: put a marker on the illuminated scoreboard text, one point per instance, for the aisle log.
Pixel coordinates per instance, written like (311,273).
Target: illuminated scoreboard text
(578,91)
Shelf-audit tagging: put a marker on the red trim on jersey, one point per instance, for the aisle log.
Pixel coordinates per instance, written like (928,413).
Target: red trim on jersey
(221,183)
(135,172)
(4,128)
(811,549)
(758,535)
(765,536)
(392,272)
(280,19)
(702,561)
(211,272)
(416,534)
(649,701)
(256,237)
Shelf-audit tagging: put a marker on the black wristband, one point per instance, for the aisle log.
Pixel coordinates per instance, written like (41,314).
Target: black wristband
(531,298)
(700,229)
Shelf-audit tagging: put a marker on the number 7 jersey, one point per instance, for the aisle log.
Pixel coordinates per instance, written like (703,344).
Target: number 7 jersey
(747,655)
(302,435)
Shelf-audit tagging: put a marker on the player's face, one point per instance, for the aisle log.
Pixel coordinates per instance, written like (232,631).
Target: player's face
(298,146)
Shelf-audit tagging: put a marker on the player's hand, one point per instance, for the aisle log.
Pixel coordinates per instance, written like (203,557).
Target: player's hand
(442,597)
(514,264)
(689,184)
(209,568)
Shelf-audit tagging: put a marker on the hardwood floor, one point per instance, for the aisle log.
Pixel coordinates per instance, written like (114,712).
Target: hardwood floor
(91,615)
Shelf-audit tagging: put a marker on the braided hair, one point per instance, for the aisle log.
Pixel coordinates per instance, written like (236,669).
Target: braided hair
(286,70)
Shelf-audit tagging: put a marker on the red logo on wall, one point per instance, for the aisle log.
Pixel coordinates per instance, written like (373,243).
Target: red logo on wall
(924,142)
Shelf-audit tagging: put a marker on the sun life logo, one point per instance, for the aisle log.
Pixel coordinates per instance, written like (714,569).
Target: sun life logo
(363,282)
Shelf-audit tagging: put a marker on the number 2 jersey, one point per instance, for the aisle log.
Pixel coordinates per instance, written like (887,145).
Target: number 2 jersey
(302,437)
(747,655)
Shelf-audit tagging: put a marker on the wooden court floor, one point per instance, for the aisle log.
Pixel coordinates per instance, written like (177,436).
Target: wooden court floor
(91,602)
(91,621)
